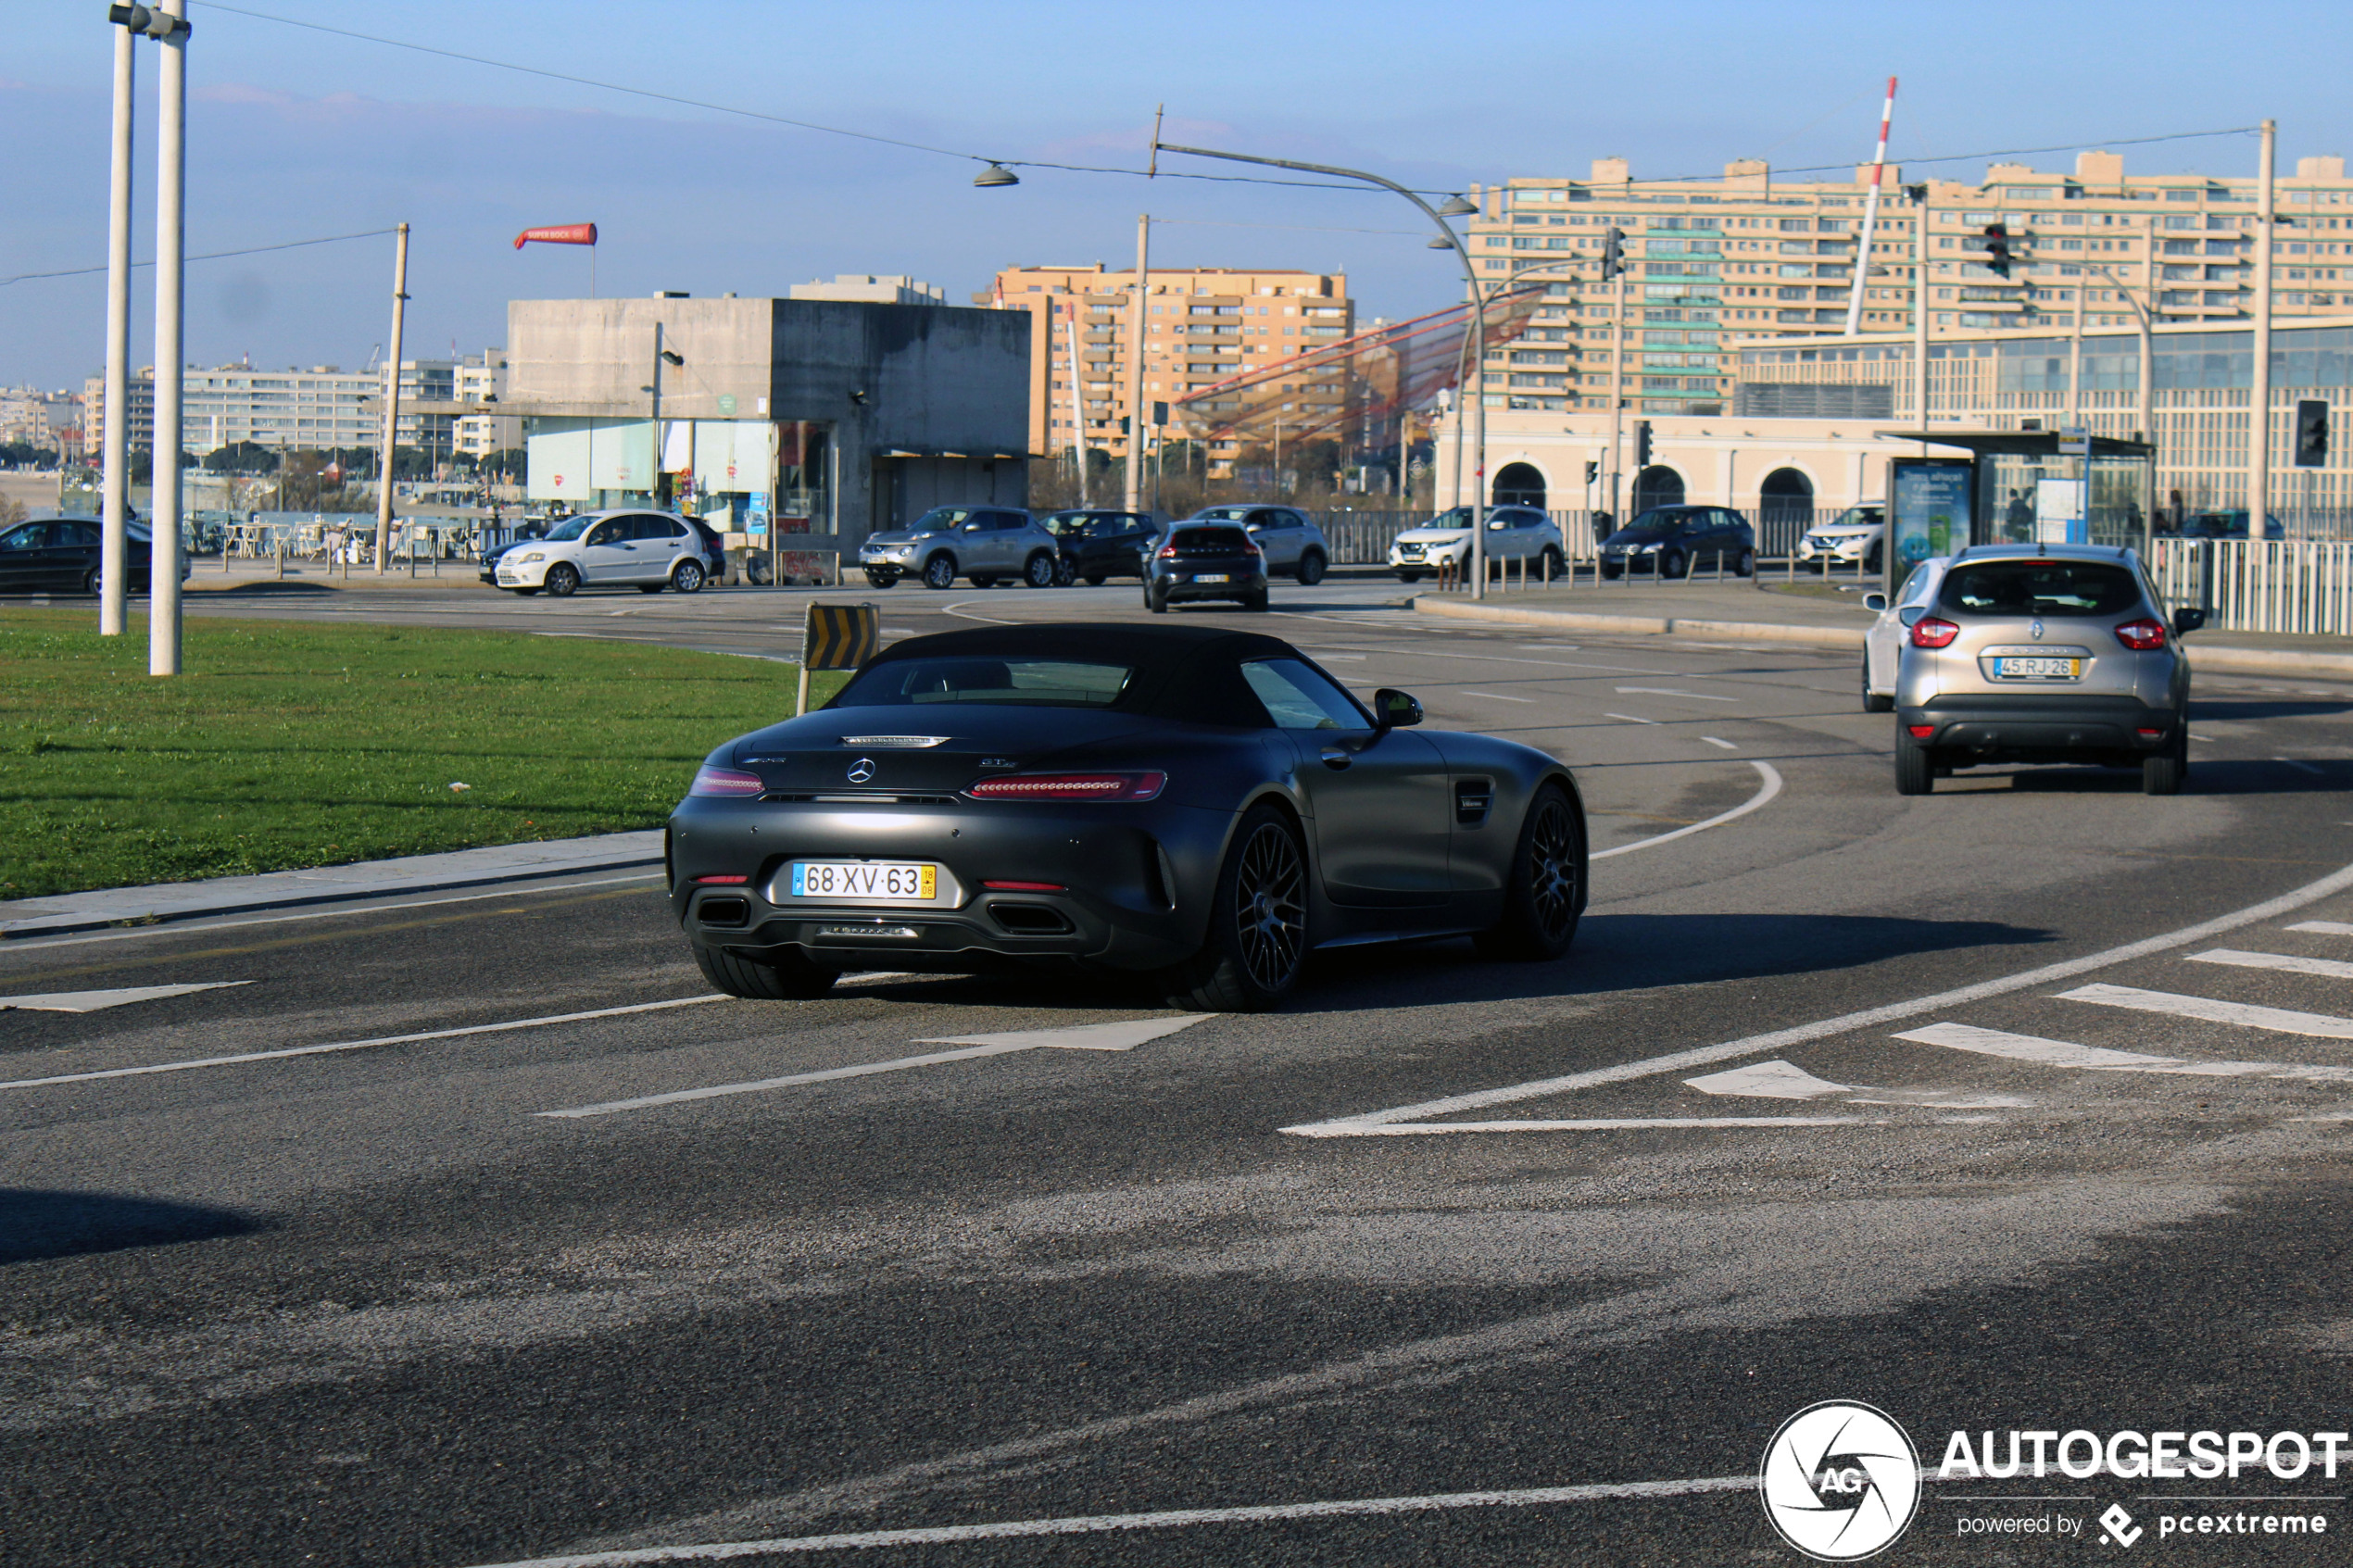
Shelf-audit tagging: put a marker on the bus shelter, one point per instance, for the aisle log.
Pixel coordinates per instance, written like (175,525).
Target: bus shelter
(2016,486)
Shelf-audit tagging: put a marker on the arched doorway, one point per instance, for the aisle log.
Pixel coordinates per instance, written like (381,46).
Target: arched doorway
(1518,484)
(1784,510)
(1657,485)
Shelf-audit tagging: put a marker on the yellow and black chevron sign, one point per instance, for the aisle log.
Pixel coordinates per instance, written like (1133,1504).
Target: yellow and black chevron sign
(841,636)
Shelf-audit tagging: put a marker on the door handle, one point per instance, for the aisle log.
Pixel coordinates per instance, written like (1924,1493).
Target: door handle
(1337,760)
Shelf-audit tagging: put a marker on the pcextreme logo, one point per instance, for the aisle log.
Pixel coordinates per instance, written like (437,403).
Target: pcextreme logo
(1841,1481)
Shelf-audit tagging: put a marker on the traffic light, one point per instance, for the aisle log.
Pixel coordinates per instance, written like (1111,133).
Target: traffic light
(1592,471)
(1160,413)
(1641,443)
(1613,253)
(149,23)
(1997,250)
(2311,433)
(1123,424)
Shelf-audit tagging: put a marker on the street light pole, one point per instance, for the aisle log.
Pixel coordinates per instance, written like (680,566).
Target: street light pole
(115,451)
(171,260)
(1616,396)
(386,469)
(1479,327)
(1135,365)
(2258,393)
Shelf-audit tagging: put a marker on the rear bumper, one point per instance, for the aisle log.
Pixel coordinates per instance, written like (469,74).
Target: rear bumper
(1237,586)
(2037,728)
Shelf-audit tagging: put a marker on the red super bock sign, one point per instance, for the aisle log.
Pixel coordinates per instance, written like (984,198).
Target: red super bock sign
(560,234)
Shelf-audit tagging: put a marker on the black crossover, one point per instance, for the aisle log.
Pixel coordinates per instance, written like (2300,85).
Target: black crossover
(1216,560)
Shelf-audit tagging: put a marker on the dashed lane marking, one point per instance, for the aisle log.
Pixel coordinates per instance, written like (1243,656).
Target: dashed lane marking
(1629,718)
(2332,969)
(2284,1020)
(1664,691)
(1727,745)
(2324,927)
(1496,697)
(2100,1058)
(95,1001)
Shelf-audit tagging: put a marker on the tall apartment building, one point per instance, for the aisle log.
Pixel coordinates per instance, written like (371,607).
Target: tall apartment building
(1746,256)
(321,407)
(1203,325)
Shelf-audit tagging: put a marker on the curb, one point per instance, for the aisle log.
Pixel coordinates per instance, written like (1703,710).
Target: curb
(170,902)
(2219,661)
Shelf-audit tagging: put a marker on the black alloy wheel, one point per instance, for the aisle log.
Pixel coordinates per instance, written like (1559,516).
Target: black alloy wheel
(1310,568)
(939,572)
(790,977)
(687,578)
(1064,573)
(1257,939)
(90,583)
(881,579)
(1551,567)
(563,580)
(1872,701)
(1040,570)
(1547,891)
(1672,564)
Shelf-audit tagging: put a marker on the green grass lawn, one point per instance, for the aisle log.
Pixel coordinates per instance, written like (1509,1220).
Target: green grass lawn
(290,744)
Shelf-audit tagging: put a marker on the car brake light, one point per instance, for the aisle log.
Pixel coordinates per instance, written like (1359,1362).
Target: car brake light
(1253,550)
(1168,552)
(1931,633)
(1025,887)
(2152,734)
(728,881)
(1070,786)
(725,782)
(2142,636)
(1921,732)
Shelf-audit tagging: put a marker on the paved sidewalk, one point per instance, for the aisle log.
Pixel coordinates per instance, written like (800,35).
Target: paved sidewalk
(328,884)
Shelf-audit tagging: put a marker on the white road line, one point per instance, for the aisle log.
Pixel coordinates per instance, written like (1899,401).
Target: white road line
(2284,1020)
(358,1045)
(2324,927)
(1166,1519)
(2099,1058)
(1589,1124)
(1725,744)
(957,609)
(1664,691)
(1629,718)
(1372,1123)
(2333,969)
(1115,1036)
(1770,787)
(1496,697)
(1784,1080)
(96,1001)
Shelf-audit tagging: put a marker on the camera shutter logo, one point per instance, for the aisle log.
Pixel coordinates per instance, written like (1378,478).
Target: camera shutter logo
(1841,1481)
(861,770)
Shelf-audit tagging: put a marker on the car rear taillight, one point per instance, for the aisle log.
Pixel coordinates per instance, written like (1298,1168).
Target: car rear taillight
(1931,633)
(1253,550)
(1070,786)
(2142,636)
(728,784)
(1168,552)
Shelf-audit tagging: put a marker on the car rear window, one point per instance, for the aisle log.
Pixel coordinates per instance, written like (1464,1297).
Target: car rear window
(2040,587)
(1207,540)
(1026,682)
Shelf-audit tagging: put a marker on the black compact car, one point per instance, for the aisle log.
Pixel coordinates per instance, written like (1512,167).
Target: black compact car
(1672,541)
(63,555)
(524,534)
(1099,544)
(1204,560)
(1202,806)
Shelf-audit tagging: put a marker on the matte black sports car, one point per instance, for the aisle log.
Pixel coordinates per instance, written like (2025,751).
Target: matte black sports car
(1202,805)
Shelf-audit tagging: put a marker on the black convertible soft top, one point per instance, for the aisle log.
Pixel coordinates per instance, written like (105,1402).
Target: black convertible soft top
(1188,673)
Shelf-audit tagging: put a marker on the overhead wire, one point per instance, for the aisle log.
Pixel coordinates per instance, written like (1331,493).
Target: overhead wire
(208,256)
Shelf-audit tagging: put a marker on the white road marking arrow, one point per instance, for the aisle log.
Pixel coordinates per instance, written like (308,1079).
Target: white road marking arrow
(1122,1037)
(1783,1080)
(96,1001)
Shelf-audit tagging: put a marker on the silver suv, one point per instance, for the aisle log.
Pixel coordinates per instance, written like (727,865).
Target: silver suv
(984,544)
(1290,543)
(2043,653)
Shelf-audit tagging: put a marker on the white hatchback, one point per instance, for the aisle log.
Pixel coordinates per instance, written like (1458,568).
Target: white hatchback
(1883,644)
(649,551)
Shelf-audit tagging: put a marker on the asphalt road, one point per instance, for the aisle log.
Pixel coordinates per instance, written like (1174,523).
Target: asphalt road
(2016,1106)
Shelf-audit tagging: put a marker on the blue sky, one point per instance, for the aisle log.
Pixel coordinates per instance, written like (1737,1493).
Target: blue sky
(294,133)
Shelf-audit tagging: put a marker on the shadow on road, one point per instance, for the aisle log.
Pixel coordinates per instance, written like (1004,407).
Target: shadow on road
(35,1223)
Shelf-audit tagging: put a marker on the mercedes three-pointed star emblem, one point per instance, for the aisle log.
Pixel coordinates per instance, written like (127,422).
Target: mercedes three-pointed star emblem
(863,769)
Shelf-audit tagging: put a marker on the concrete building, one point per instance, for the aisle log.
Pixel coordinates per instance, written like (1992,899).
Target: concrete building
(1203,325)
(868,289)
(856,416)
(1746,255)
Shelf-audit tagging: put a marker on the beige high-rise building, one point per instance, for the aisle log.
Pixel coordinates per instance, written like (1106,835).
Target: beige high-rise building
(1749,256)
(1203,325)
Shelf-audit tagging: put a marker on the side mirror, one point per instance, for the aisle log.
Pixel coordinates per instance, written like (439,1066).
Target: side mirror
(1875,602)
(1396,709)
(2187,620)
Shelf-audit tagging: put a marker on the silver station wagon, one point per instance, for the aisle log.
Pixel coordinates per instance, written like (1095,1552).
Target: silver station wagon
(2043,653)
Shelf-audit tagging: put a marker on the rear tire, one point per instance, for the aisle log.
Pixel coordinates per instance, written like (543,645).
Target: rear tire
(1310,568)
(1156,600)
(1257,603)
(1257,939)
(1551,567)
(688,576)
(2163,773)
(1747,565)
(939,574)
(790,978)
(1673,565)
(563,580)
(1872,701)
(1546,894)
(1915,769)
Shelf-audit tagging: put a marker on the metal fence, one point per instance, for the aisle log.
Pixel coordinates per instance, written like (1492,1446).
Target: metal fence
(2301,586)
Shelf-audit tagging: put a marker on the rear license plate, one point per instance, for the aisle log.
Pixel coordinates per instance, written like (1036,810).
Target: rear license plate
(889,882)
(1209,577)
(2038,669)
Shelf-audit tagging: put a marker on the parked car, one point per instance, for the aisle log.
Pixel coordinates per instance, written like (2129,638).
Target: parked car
(1198,807)
(1195,560)
(1294,546)
(525,531)
(2044,653)
(1671,541)
(1097,544)
(985,545)
(715,548)
(63,555)
(1857,535)
(1513,534)
(1883,644)
(649,551)
(2227,525)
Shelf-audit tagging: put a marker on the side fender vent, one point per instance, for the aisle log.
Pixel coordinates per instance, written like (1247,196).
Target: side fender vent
(1473,799)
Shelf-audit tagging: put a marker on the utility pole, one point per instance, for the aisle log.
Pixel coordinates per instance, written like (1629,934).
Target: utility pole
(1870,217)
(171,260)
(1920,315)
(1135,365)
(1077,429)
(392,396)
(1616,394)
(2258,393)
(114,449)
